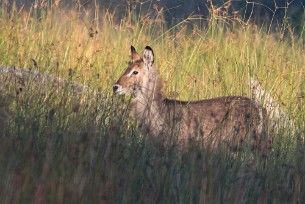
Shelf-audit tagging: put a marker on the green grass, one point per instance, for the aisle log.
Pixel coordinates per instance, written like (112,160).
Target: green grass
(61,147)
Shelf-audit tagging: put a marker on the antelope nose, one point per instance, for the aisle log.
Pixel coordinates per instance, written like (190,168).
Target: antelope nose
(115,88)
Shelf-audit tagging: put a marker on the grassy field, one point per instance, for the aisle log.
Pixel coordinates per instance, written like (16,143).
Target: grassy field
(60,145)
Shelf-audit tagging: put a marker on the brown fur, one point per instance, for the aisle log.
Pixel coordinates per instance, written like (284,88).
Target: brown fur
(225,120)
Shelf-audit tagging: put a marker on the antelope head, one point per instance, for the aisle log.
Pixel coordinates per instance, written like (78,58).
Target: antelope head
(136,78)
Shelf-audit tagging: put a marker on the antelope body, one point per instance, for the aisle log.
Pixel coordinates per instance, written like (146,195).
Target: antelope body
(231,119)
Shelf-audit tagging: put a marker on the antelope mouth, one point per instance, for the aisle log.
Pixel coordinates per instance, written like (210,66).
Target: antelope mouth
(120,92)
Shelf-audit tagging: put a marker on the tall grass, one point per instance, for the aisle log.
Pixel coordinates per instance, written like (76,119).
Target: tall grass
(61,147)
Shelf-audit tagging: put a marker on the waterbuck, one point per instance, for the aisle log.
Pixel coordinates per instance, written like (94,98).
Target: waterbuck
(228,120)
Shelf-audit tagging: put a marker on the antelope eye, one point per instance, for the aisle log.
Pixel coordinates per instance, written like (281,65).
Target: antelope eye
(135,72)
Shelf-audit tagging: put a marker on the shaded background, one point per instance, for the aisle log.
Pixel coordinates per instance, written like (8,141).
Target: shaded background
(260,11)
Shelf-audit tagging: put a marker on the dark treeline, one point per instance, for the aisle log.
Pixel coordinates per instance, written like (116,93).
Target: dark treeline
(258,11)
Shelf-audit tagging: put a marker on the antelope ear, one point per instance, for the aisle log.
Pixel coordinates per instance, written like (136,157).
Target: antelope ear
(148,56)
(134,55)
